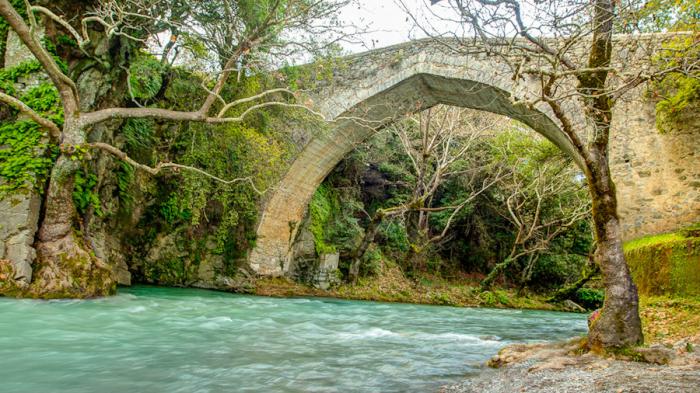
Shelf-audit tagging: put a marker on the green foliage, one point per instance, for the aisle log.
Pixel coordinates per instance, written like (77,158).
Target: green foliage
(145,77)
(494,298)
(184,91)
(66,40)
(229,151)
(590,298)
(25,159)
(320,213)
(344,230)
(85,193)
(662,15)
(125,177)
(310,75)
(220,217)
(8,76)
(691,230)
(44,99)
(371,262)
(678,91)
(27,156)
(173,211)
(379,176)
(138,133)
(395,236)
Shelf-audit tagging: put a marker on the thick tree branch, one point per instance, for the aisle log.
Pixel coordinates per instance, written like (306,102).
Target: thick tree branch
(54,131)
(65,86)
(167,114)
(169,166)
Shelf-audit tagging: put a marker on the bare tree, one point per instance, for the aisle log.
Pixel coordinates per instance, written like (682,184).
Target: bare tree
(65,266)
(566,46)
(438,144)
(542,200)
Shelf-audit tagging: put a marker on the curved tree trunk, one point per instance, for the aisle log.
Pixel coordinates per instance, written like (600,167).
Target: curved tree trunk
(619,324)
(500,267)
(65,266)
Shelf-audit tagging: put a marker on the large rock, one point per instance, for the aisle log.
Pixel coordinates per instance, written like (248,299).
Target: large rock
(327,274)
(19,217)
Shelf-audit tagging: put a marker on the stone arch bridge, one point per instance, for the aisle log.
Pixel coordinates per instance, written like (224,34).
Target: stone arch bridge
(657,175)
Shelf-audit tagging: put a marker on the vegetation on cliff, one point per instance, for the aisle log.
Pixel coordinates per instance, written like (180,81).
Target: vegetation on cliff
(94,56)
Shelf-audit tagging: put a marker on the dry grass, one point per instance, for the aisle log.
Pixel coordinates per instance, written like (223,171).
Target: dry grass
(668,320)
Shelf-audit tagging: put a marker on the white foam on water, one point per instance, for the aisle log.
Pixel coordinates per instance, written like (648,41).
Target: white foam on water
(368,334)
(457,337)
(215,323)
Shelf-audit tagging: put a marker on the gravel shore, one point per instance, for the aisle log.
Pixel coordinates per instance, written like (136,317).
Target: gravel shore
(556,368)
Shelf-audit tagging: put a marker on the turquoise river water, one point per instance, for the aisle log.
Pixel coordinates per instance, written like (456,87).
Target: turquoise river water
(149,339)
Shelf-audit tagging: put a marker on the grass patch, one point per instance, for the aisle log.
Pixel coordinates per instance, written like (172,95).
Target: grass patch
(655,240)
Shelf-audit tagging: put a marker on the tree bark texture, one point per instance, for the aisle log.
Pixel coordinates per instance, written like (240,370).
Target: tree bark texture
(619,324)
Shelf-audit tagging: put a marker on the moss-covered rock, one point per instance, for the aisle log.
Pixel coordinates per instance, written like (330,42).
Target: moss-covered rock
(8,285)
(75,273)
(667,264)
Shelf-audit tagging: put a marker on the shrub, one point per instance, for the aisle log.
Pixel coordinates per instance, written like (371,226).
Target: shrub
(590,298)
(145,78)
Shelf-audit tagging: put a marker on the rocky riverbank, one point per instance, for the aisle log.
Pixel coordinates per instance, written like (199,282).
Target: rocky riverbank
(560,368)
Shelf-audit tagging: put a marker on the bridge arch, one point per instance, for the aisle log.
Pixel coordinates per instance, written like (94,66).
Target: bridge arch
(368,94)
(384,85)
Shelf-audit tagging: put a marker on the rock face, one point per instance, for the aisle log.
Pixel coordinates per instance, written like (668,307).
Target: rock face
(327,275)
(19,216)
(320,271)
(19,212)
(15,52)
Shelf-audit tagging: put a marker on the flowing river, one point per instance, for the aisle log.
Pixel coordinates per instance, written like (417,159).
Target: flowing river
(149,339)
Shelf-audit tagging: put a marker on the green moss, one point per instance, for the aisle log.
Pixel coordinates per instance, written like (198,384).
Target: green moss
(320,212)
(85,192)
(27,156)
(678,94)
(8,286)
(626,353)
(145,77)
(667,264)
(655,240)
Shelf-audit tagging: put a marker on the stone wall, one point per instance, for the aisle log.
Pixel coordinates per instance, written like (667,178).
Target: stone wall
(657,174)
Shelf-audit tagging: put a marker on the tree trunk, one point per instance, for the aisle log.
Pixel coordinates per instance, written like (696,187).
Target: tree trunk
(569,291)
(65,266)
(370,233)
(619,324)
(495,272)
